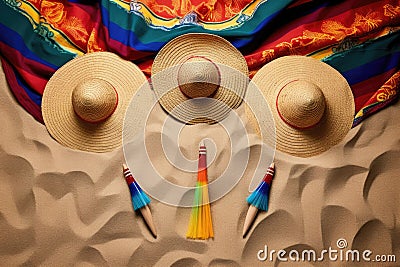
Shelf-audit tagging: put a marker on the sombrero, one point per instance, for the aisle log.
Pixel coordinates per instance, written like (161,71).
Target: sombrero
(199,78)
(311,103)
(84,102)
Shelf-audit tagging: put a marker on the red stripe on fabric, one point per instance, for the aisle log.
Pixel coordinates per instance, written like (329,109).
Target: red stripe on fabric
(19,92)
(33,81)
(299,3)
(374,109)
(145,66)
(16,56)
(313,21)
(209,11)
(77,22)
(364,90)
(33,73)
(387,92)
(361,100)
(301,38)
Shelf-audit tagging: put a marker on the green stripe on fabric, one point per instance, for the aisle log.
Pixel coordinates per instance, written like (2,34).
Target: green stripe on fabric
(265,10)
(146,34)
(44,47)
(357,55)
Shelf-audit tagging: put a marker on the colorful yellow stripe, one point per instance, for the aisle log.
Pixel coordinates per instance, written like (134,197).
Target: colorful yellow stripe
(157,21)
(33,15)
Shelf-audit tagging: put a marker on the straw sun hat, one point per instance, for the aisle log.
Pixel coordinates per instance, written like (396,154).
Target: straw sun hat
(84,102)
(311,103)
(199,78)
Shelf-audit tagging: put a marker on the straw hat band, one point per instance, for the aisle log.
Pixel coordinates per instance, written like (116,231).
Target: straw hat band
(300,104)
(94,100)
(198,76)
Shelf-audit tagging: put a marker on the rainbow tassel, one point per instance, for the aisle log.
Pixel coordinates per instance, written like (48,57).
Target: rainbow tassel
(259,197)
(139,198)
(200,224)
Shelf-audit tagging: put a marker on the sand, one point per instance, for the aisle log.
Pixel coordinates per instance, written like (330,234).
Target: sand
(60,207)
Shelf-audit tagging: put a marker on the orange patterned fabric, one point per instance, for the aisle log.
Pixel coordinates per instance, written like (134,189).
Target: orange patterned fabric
(208,11)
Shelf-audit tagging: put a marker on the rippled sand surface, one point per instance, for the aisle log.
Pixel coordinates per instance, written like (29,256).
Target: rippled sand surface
(60,207)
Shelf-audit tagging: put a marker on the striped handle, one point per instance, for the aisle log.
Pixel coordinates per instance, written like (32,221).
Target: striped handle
(270,174)
(128,176)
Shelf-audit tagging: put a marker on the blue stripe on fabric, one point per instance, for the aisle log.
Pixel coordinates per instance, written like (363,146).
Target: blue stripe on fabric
(130,38)
(126,37)
(13,39)
(242,42)
(372,68)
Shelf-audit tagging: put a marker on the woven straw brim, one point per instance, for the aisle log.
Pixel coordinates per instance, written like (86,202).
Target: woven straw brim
(234,78)
(339,111)
(58,113)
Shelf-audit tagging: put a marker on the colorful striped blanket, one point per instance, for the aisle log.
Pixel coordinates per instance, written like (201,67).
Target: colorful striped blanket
(360,38)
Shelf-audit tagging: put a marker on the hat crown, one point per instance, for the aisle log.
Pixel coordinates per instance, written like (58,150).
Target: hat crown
(198,77)
(301,104)
(94,100)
